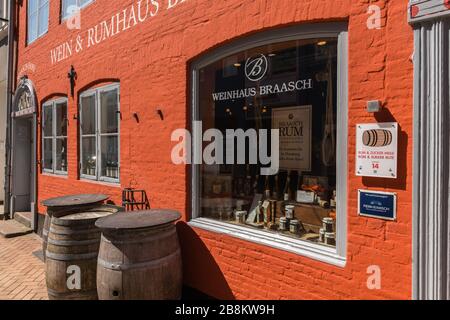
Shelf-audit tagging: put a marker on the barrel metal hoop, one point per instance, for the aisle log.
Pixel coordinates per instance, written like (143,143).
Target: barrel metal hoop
(71,231)
(141,240)
(74,294)
(67,243)
(128,266)
(70,257)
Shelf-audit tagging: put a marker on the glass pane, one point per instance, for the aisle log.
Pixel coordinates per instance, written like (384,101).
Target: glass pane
(67,7)
(48,154)
(88,115)
(43,20)
(32,6)
(89,160)
(109,115)
(32,27)
(61,155)
(289,86)
(82,3)
(47,124)
(110,157)
(61,119)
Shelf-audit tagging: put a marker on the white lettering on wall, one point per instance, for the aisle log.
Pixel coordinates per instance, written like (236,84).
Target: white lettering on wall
(126,19)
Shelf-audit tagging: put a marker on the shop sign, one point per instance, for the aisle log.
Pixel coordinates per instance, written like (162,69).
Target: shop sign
(377,204)
(138,12)
(420,10)
(377,150)
(256,69)
(25,105)
(294,125)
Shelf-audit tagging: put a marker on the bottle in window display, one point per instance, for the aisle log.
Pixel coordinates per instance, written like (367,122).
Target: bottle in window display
(287,187)
(248,182)
(275,187)
(266,188)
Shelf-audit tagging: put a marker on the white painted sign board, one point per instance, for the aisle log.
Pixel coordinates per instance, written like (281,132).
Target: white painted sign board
(377,150)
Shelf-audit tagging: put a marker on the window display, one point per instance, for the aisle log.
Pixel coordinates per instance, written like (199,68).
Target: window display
(290,87)
(99,127)
(54,136)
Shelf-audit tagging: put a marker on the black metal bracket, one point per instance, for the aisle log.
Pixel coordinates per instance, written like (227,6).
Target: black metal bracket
(72,75)
(4,20)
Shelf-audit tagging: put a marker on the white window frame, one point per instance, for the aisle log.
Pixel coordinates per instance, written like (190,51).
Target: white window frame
(53,105)
(65,15)
(335,256)
(38,9)
(4,13)
(97,94)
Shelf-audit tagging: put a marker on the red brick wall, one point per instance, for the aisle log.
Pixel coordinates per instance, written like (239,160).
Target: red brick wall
(151,61)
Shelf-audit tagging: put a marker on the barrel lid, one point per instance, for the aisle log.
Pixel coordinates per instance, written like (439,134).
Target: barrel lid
(81,218)
(75,200)
(138,219)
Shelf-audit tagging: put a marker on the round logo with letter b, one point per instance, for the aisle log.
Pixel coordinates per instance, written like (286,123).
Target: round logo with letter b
(256,67)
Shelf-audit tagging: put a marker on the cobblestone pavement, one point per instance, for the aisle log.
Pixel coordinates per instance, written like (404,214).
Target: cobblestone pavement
(22,275)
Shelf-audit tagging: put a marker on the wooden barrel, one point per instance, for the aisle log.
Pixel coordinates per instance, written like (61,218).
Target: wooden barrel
(139,257)
(377,138)
(71,256)
(66,205)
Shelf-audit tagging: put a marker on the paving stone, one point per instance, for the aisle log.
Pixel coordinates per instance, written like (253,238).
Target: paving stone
(12,228)
(22,274)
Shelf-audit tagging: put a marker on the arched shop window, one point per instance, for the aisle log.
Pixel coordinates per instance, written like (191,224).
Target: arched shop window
(54,136)
(100,134)
(294,81)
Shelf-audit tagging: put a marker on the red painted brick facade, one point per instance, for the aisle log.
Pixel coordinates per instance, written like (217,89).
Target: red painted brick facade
(151,61)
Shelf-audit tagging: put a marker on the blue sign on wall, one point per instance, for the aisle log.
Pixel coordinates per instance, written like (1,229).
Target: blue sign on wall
(375,204)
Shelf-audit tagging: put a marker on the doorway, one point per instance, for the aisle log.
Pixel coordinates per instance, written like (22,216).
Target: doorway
(23,178)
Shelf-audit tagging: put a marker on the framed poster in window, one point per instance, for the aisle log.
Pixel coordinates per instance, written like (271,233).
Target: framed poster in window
(294,124)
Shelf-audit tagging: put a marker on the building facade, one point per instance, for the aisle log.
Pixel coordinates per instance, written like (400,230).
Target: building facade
(128,94)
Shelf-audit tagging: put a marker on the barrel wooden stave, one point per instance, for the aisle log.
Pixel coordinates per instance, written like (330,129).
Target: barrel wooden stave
(60,212)
(140,265)
(73,242)
(377,138)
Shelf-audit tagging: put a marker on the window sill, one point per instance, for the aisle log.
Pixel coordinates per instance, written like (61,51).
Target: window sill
(55,175)
(104,183)
(300,247)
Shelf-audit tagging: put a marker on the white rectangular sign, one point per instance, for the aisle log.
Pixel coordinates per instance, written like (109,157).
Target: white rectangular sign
(377,150)
(294,124)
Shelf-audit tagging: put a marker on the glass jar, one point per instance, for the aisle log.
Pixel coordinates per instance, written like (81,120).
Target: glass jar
(321,235)
(240,216)
(289,211)
(294,226)
(283,224)
(330,238)
(328,224)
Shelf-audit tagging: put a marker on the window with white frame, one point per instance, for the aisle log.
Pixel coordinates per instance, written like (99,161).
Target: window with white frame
(294,82)
(68,7)
(99,134)
(37,19)
(54,136)
(4,12)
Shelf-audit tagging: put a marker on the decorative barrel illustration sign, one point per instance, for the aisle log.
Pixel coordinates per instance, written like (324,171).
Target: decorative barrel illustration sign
(140,257)
(377,138)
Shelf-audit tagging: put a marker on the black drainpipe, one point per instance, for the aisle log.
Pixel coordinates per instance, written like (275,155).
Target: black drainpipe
(9,107)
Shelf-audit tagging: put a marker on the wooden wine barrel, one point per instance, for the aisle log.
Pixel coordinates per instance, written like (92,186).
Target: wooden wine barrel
(377,138)
(71,256)
(63,206)
(139,257)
